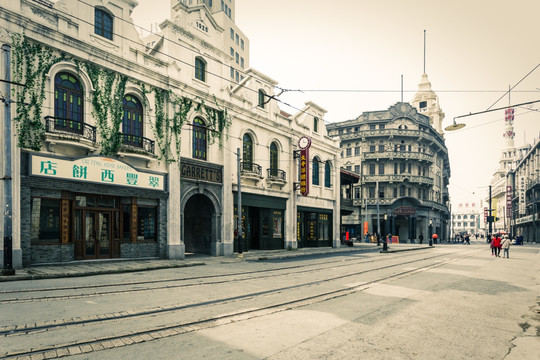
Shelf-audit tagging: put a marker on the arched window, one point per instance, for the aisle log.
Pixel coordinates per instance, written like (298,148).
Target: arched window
(132,123)
(200,69)
(327,169)
(273,159)
(315,176)
(68,103)
(199,139)
(262,98)
(103,24)
(248,151)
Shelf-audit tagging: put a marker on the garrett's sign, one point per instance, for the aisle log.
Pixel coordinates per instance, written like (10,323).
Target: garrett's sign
(404,210)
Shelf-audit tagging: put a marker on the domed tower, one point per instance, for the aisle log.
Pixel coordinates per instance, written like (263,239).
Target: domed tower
(427,103)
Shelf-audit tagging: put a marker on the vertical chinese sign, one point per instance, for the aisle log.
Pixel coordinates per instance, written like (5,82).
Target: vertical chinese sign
(304,143)
(304,172)
(509,195)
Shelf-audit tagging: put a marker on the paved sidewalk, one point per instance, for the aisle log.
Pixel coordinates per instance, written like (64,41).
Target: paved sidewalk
(113,266)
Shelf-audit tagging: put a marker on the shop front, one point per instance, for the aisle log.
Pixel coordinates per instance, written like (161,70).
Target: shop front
(262,222)
(87,208)
(201,204)
(314,227)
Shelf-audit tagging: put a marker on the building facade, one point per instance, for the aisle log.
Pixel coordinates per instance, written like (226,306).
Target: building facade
(468,218)
(129,147)
(525,180)
(404,170)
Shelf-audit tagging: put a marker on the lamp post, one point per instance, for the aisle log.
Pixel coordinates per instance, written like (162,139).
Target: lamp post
(430,232)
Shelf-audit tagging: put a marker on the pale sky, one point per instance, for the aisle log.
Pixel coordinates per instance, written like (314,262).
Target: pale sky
(475,51)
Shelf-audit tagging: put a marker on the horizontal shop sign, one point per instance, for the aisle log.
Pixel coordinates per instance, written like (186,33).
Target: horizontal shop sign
(190,169)
(95,169)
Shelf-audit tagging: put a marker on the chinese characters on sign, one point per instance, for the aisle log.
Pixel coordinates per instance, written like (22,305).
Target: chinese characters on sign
(304,172)
(96,169)
(522,207)
(509,201)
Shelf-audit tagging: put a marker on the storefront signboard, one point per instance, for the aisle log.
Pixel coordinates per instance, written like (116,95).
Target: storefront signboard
(95,169)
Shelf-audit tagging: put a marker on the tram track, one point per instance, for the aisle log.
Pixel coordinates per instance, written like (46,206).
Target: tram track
(125,339)
(202,281)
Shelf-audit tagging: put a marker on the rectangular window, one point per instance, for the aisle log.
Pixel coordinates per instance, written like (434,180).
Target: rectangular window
(357,193)
(146,224)
(237,58)
(232,72)
(232,52)
(381,126)
(395,168)
(349,152)
(395,192)
(237,39)
(242,44)
(315,124)
(232,31)
(45,220)
(242,62)
(381,169)
(371,169)
(372,148)
(401,168)
(357,151)
(423,104)
(372,192)
(372,127)
(357,169)
(381,148)
(381,192)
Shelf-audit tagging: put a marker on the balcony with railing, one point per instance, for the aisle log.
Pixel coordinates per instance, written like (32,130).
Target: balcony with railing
(390,155)
(137,147)
(276,177)
(415,179)
(251,171)
(63,131)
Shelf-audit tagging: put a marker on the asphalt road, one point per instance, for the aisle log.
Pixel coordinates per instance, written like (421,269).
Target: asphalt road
(447,302)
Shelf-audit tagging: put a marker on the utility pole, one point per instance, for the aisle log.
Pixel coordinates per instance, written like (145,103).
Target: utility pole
(239,204)
(490,218)
(8,202)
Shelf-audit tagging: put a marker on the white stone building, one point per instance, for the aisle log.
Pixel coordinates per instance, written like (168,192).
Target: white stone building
(127,147)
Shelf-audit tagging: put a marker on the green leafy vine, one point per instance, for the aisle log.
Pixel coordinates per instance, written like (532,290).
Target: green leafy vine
(31,62)
(107,101)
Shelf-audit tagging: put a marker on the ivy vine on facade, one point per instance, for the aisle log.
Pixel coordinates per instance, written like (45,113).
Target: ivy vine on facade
(31,63)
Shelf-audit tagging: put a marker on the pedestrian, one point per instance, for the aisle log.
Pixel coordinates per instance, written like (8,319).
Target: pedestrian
(506,247)
(367,238)
(467,239)
(378,239)
(421,238)
(497,245)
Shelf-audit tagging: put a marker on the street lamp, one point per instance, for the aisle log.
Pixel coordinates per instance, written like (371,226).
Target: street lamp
(456,126)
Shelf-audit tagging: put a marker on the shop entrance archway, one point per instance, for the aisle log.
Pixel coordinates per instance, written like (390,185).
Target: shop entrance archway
(198,215)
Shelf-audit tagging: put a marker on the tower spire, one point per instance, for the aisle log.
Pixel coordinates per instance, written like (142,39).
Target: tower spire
(424,52)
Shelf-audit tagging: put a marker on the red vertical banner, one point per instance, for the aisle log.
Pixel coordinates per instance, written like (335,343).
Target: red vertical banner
(304,171)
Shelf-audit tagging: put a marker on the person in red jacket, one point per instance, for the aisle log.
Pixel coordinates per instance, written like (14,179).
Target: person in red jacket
(497,245)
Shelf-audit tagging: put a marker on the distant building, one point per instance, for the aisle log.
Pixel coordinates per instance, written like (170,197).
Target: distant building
(404,170)
(468,218)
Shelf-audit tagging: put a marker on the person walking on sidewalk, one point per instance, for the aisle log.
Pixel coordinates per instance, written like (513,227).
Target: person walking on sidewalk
(497,245)
(506,247)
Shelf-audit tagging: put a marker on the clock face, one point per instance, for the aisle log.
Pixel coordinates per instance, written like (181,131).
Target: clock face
(304,142)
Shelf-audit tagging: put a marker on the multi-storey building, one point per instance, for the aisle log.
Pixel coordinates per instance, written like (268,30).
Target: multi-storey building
(526,194)
(402,159)
(129,147)
(468,218)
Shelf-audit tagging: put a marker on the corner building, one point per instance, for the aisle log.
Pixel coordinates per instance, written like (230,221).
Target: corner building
(403,164)
(126,147)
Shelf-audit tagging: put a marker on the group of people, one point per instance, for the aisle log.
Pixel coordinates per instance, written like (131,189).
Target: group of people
(497,243)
